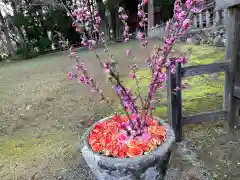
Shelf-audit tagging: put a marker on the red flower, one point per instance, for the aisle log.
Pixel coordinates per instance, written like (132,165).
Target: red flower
(102,141)
(122,137)
(92,140)
(133,143)
(134,151)
(143,146)
(115,151)
(97,147)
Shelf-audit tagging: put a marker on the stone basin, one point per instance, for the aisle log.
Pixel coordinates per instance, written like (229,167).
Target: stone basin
(151,166)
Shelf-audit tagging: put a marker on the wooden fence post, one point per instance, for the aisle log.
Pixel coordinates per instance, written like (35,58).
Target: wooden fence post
(233,49)
(171,99)
(231,102)
(179,102)
(175,101)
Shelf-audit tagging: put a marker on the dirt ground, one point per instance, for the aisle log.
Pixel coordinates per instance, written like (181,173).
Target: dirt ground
(43,116)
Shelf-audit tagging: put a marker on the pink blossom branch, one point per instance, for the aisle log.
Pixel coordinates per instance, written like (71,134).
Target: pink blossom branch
(180,16)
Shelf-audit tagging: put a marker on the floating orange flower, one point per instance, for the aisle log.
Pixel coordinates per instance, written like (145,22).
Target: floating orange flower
(115,151)
(97,147)
(133,143)
(157,130)
(157,140)
(144,146)
(92,140)
(134,151)
(152,144)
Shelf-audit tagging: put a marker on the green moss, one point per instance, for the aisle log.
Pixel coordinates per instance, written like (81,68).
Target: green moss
(143,79)
(203,54)
(161,112)
(18,148)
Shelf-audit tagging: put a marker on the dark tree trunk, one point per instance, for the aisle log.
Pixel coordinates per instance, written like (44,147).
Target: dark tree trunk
(23,41)
(113,23)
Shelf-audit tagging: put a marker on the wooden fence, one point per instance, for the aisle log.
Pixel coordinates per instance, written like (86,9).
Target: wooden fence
(176,119)
(231,67)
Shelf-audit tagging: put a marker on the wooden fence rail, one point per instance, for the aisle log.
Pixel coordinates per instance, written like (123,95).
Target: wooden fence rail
(176,119)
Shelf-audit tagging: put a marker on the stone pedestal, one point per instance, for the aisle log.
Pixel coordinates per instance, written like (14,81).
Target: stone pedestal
(146,167)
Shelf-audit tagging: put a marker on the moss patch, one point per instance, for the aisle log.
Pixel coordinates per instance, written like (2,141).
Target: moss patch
(203,54)
(32,148)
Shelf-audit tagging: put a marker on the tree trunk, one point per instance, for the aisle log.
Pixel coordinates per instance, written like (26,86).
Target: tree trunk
(113,23)
(23,41)
(7,36)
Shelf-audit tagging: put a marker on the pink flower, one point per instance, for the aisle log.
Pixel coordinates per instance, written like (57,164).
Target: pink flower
(186,24)
(70,75)
(83,79)
(106,68)
(145,2)
(132,75)
(182,60)
(177,88)
(74,14)
(126,28)
(146,136)
(122,138)
(124,17)
(78,30)
(128,51)
(185,85)
(196,10)
(188,3)
(180,16)
(140,13)
(79,67)
(176,25)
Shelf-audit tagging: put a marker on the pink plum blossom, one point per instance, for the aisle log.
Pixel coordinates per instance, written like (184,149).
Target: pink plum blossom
(128,51)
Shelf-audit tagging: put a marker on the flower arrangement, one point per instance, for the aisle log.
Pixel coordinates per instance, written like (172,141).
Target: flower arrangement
(136,132)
